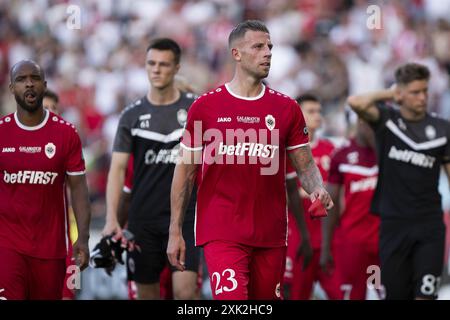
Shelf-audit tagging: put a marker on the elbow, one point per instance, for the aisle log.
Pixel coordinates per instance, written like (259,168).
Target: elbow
(355,103)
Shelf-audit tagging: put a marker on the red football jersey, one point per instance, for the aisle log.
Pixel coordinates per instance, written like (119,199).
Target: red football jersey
(33,166)
(321,151)
(355,168)
(241,195)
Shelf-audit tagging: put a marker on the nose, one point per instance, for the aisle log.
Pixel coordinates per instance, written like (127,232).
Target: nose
(29,83)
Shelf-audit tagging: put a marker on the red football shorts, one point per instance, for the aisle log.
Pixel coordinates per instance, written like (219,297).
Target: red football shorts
(23,277)
(239,272)
(353,259)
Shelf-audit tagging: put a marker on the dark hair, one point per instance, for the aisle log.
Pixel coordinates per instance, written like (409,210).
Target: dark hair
(52,95)
(307,97)
(410,72)
(166,44)
(240,30)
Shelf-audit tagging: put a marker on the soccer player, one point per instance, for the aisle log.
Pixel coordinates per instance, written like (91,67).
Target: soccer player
(412,145)
(242,130)
(150,129)
(41,152)
(353,173)
(305,274)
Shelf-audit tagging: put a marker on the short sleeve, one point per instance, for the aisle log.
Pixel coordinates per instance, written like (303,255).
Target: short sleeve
(192,138)
(334,175)
(123,141)
(297,132)
(75,161)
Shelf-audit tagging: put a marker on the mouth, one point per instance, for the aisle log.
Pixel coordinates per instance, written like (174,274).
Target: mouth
(265,64)
(30,96)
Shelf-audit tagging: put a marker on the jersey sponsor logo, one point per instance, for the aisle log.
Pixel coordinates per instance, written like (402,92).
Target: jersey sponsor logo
(305,131)
(8,150)
(363,185)
(223,119)
(270,122)
(246,119)
(30,177)
(144,117)
(430,132)
(50,150)
(415,158)
(182,117)
(164,156)
(248,148)
(30,149)
(353,157)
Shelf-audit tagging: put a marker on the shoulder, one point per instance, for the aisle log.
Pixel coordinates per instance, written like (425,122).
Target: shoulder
(133,108)
(280,98)
(343,150)
(6,120)
(435,119)
(188,97)
(209,97)
(61,125)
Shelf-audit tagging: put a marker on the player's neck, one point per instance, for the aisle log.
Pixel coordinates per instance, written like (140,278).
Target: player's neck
(31,119)
(245,86)
(410,115)
(360,142)
(163,96)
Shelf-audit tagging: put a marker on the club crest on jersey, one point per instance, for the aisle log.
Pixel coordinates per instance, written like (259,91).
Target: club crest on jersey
(430,132)
(270,122)
(352,157)
(182,117)
(50,150)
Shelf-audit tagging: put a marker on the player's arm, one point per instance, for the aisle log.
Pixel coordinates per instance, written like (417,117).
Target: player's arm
(329,223)
(82,211)
(296,207)
(123,208)
(114,186)
(309,175)
(447,171)
(182,184)
(364,104)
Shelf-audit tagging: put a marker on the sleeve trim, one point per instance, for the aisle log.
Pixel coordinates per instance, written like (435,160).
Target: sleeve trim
(189,148)
(297,146)
(75,173)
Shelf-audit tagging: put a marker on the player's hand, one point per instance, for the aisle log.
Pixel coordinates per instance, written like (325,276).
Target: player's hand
(81,254)
(326,261)
(305,250)
(112,227)
(323,196)
(176,250)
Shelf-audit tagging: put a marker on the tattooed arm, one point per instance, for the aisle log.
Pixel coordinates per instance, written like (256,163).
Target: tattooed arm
(180,195)
(309,175)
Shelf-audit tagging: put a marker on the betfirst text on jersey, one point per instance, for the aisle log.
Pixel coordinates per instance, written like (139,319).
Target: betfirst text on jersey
(30,177)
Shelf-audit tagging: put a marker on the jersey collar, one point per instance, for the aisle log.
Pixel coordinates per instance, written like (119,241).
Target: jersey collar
(40,125)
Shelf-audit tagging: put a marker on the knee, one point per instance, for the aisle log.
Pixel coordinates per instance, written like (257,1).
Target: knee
(185,293)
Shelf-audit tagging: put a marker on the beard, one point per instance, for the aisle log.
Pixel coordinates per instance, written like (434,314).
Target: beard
(31,108)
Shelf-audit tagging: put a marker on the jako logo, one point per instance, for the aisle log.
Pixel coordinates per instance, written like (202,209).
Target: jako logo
(223,119)
(9,150)
(31,177)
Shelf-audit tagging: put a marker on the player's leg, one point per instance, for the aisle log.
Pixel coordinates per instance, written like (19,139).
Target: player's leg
(291,253)
(228,268)
(46,278)
(428,259)
(147,263)
(303,280)
(266,273)
(396,262)
(185,285)
(13,275)
(332,282)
